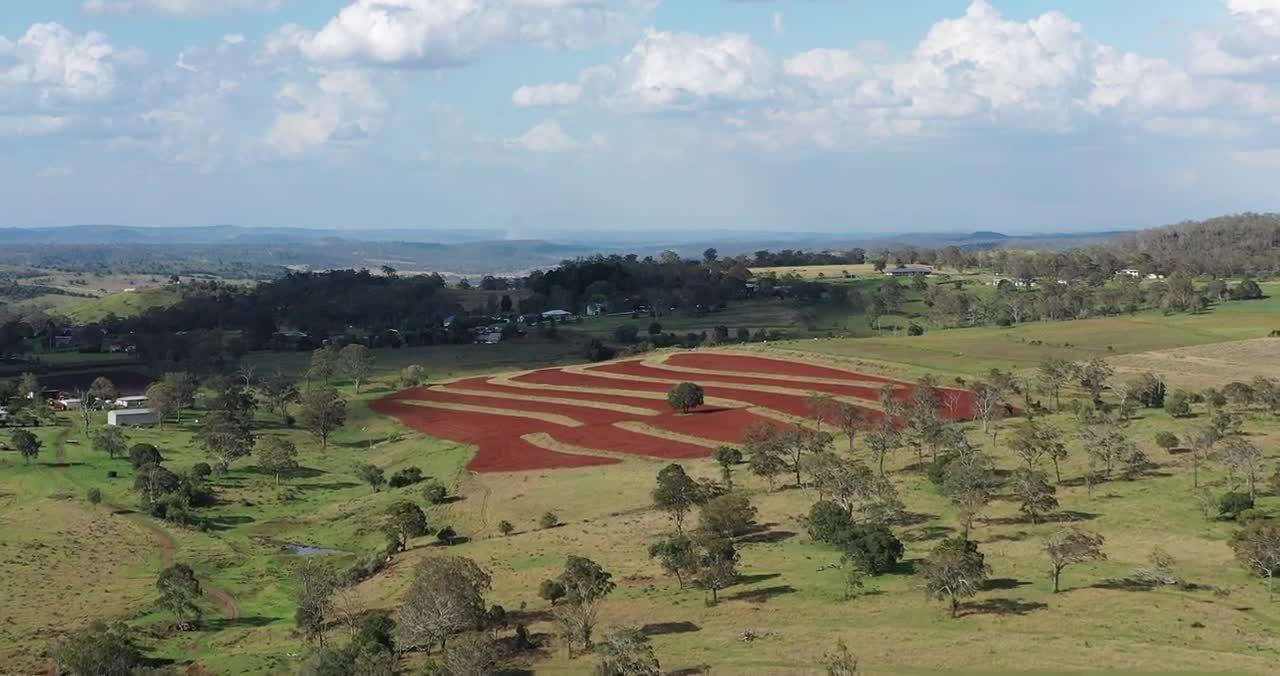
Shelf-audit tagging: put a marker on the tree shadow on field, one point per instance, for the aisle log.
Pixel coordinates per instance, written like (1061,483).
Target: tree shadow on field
(689,671)
(1001,606)
(767,537)
(300,473)
(913,518)
(1004,584)
(927,533)
(363,443)
(761,595)
(759,577)
(229,521)
(527,617)
(1017,536)
(663,628)
(330,486)
(1063,516)
(1126,584)
(220,623)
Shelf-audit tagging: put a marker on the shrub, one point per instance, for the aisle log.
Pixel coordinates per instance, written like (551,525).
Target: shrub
(406,477)
(94,496)
(435,492)
(598,351)
(1178,403)
(1166,440)
(1232,504)
(201,470)
(112,474)
(447,535)
(626,333)
(505,527)
(915,330)
(873,546)
(144,454)
(549,520)
(655,328)
(551,591)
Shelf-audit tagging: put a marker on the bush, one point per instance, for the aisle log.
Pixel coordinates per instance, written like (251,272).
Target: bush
(937,469)
(1178,403)
(201,470)
(1167,440)
(406,477)
(827,521)
(598,351)
(1245,516)
(626,333)
(446,535)
(549,520)
(873,546)
(144,454)
(112,474)
(94,496)
(915,330)
(1232,504)
(655,328)
(505,527)
(435,492)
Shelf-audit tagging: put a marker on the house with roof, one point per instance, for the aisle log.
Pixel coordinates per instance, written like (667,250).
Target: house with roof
(909,271)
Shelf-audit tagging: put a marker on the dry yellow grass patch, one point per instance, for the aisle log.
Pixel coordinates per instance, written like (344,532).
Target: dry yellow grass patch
(544,440)
(1207,365)
(560,401)
(660,362)
(553,418)
(651,431)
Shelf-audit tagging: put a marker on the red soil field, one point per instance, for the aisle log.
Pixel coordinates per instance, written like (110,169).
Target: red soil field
(498,437)
(499,446)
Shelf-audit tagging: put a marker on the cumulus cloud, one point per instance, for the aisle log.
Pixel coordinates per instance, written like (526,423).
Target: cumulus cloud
(444,33)
(341,105)
(980,68)
(180,8)
(59,66)
(1248,44)
(555,94)
(545,137)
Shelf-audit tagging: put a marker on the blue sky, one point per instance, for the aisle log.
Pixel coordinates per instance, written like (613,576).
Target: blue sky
(541,117)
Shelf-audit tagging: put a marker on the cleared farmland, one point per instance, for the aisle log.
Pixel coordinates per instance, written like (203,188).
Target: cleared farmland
(584,416)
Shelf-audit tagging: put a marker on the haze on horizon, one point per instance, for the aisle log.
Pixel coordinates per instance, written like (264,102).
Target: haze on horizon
(545,117)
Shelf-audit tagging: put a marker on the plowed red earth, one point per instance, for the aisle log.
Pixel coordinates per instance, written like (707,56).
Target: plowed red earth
(498,435)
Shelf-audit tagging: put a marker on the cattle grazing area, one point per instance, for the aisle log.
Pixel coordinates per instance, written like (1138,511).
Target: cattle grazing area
(615,411)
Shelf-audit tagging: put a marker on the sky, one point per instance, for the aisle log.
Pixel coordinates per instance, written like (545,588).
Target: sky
(544,117)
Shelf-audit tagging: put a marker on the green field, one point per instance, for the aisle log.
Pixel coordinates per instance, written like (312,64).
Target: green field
(83,563)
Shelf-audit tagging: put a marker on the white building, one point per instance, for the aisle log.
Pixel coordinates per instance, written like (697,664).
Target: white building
(557,314)
(1130,272)
(66,404)
(132,417)
(131,402)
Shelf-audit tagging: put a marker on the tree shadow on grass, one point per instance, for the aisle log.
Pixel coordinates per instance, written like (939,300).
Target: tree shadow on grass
(363,443)
(690,671)
(1017,536)
(663,628)
(330,486)
(913,518)
(527,617)
(759,577)
(220,623)
(1126,584)
(1001,606)
(1063,516)
(761,595)
(767,537)
(229,521)
(1004,584)
(300,473)
(934,532)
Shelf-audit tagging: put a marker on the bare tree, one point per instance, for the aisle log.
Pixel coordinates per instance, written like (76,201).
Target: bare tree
(1071,545)
(1243,458)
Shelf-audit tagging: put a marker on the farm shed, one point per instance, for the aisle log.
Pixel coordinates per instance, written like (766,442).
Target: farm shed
(132,417)
(131,402)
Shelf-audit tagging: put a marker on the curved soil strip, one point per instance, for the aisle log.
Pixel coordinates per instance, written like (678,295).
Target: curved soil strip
(628,442)
(551,418)
(507,396)
(712,426)
(544,440)
(728,361)
(867,396)
(656,398)
(664,363)
(649,430)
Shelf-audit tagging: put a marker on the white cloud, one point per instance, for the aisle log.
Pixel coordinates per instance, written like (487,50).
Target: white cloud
(443,33)
(59,66)
(342,105)
(555,94)
(180,8)
(550,137)
(1248,43)
(31,125)
(779,23)
(979,69)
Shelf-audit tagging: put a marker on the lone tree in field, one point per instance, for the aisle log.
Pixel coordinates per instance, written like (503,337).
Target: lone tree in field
(405,521)
(98,650)
(1034,493)
(26,444)
(372,475)
(954,570)
(1258,548)
(677,556)
(279,391)
(179,590)
(445,598)
(356,362)
(821,407)
(1053,374)
(413,375)
(1242,458)
(727,516)
(226,436)
(586,585)
(627,652)
(883,440)
(324,363)
(278,456)
(163,400)
(314,584)
(969,483)
(727,457)
(850,419)
(1071,545)
(988,404)
(323,412)
(110,440)
(717,564)
(1093,376)
(685,397)
(676,493)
